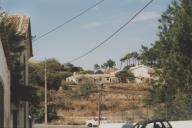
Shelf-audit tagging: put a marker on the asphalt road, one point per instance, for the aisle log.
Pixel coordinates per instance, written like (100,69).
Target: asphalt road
(59,126)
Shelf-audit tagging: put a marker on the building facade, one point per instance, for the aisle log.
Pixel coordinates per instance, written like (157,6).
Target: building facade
(142,73)
(98,78)
(20,111)
(14,115)
(5,93)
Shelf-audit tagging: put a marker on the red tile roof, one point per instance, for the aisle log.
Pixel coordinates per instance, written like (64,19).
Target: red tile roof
(22,23)
(15,20)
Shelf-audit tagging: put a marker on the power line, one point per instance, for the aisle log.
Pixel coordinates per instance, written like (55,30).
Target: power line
(68,21)
(113,34)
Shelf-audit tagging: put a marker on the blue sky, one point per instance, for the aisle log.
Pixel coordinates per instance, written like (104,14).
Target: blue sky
(90,29)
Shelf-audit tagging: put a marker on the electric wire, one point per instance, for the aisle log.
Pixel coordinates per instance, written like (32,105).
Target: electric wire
(69,20)
(113,34)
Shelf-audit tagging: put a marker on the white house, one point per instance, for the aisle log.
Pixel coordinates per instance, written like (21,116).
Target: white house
(141,73)
(98,78)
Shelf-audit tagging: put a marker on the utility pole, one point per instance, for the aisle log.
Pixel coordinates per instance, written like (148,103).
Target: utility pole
(45,93)
(99,103)
(99,110)
(147,111)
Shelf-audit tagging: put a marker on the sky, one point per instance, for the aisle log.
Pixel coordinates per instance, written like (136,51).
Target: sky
(86,32)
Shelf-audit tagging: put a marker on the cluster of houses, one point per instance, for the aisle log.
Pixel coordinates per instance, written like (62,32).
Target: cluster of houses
(14,115)
(100,78)
(141,73)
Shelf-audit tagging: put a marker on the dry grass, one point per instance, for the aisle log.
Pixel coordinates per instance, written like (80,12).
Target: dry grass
(130,86)
(120,106)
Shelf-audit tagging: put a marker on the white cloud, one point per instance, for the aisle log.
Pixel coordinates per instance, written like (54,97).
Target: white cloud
(92,25)
(147,16)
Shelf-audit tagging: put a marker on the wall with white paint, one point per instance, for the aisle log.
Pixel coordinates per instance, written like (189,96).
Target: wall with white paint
(5,79)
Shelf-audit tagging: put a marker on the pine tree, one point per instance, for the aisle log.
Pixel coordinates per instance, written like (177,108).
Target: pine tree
(174,58)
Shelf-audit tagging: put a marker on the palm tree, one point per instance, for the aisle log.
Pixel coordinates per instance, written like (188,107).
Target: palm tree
(104,67)
(134,57)
(96,67)
(122,60)
(110,63)
(139,57)
(128,58)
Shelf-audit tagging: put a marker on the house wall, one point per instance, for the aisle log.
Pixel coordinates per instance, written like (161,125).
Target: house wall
(5,83)
(114,80)
(72,79)
(141,73)
(23,109)
(26,106)
(97,78)
(19,112)
(1,105)
(105,79)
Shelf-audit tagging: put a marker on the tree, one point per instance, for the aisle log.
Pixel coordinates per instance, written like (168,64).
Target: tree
(125,76)
(96,67)
(87,72)
(53,65)
(3,15)
(86,88)
(173,57)
(131,58)
(71,68)
(149,56)
(128,57)
(122,60)
(110,63)
(134,56)
(99,72)
(55,73)
(104,66)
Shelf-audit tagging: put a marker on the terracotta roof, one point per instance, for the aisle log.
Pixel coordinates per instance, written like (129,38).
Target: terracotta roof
(23,27)
(15,20)
(21,23)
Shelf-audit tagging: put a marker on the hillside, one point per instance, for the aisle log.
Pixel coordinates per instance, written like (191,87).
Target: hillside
(120,102)
(72,103)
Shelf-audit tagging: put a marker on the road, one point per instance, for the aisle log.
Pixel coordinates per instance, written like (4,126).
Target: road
(59,126)
(175,124)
